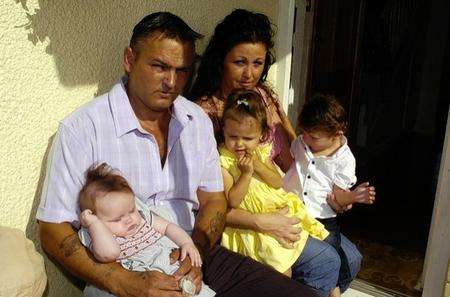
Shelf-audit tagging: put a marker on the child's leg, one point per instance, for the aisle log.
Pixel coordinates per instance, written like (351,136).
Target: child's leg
(334,239)
(288,272)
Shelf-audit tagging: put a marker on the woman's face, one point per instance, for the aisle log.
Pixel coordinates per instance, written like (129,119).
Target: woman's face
(243,66)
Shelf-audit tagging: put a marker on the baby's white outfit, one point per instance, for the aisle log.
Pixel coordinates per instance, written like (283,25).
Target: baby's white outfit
(312,178)
(146,250)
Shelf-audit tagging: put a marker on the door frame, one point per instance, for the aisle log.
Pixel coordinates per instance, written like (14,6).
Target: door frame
(292,92)
(438,248)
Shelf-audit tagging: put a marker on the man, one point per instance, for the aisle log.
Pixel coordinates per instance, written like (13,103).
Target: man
(164,146)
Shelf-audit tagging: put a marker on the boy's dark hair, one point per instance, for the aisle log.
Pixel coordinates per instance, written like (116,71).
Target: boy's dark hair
(323,113)
(101,180)
(240,26)
(243,102)
(168,24)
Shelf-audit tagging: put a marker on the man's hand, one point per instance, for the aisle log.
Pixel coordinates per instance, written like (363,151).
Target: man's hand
(186,269)
(152,284)
(279,225)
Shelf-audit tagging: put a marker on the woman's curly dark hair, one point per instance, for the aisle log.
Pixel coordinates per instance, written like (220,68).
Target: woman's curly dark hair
(238,27)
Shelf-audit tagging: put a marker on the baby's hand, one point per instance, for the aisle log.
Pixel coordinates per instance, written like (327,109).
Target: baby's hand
(87,218)
(364,193)
(190,250)
(245,164)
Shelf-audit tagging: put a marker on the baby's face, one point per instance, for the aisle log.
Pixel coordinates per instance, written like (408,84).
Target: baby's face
(319,141)
(118,212)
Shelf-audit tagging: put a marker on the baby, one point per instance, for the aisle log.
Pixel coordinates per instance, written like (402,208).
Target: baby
(116,226)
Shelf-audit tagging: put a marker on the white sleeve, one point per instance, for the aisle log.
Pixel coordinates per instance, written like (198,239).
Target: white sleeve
(66,165)
(344,176)
(211,179)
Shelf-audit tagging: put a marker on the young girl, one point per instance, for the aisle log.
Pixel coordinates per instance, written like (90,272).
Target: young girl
(324,165)
(119,227)
(253,183)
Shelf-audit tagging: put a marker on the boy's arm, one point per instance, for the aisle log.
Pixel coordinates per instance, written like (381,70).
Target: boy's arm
(235,192)
(363,193)
(343,197)
(267,172)
(103,244)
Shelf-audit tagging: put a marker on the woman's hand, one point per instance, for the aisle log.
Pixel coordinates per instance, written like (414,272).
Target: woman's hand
(279,225)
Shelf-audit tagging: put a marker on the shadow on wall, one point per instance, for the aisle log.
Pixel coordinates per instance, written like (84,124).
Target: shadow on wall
(86,38)
(32,231)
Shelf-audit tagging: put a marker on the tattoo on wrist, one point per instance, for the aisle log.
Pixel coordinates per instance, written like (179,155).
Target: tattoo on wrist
(70,245)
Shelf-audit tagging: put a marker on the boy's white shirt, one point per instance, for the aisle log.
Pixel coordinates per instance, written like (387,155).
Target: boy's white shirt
(323,171)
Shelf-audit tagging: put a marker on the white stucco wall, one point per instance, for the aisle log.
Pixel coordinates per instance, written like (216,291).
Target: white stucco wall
(55,56)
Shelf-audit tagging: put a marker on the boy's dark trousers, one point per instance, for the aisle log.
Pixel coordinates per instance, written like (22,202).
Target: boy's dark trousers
(334,239)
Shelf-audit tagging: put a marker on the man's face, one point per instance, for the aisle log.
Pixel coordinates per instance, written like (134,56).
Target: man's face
(157,71)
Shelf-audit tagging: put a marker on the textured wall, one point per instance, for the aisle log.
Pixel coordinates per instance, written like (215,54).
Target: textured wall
(55,56)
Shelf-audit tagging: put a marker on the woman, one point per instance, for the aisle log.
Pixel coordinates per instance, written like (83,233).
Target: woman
(239,56)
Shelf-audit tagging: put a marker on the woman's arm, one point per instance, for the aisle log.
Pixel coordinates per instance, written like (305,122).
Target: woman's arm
(276,223)
(267,172)
(285,122)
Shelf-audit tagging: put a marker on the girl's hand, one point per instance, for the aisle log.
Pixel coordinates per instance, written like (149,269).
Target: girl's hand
(245,164)
(190,250)
(87,218)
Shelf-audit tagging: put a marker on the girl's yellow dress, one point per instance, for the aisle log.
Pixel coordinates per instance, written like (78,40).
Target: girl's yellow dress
(261,198)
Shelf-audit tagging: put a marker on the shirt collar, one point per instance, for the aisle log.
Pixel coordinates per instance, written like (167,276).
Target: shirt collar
(124,117)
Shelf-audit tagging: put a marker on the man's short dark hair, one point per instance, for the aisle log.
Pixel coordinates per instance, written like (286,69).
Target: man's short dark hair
(168,24)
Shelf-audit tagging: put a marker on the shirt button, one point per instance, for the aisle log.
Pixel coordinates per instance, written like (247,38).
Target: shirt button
(304,193)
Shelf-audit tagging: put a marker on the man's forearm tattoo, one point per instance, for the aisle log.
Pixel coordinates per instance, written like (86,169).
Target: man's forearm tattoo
(216,225)
(70,245)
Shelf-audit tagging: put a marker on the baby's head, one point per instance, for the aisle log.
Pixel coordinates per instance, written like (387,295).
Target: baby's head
(244,122)
(322,121)
(109,196)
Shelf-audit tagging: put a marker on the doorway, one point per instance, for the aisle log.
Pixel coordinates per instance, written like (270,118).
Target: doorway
(388,62)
